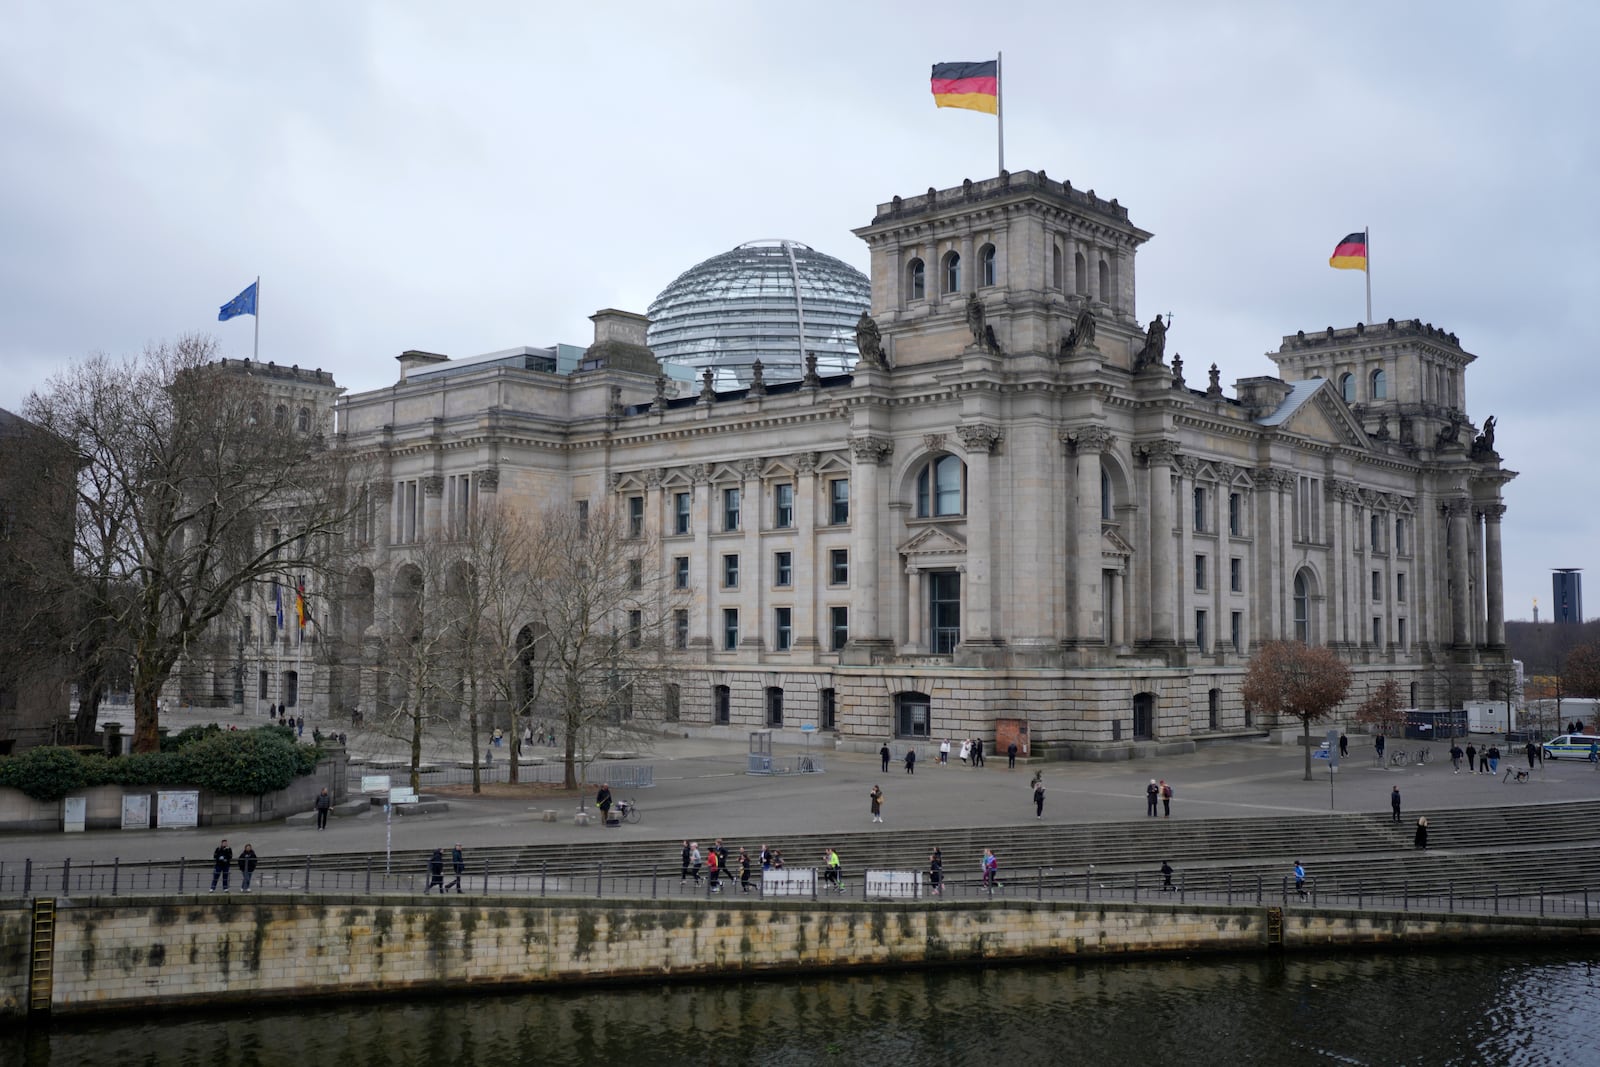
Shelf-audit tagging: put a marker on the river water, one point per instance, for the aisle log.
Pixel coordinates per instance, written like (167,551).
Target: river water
(1396,1008)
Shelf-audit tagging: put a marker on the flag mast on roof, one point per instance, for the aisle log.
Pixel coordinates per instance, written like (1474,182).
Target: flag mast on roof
(975,87)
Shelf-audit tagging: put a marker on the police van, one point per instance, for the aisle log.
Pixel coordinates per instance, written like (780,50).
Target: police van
(1571,746)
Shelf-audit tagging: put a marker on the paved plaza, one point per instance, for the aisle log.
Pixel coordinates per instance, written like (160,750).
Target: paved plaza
(702,791)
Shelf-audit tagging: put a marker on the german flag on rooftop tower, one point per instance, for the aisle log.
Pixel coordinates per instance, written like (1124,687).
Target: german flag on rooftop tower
(974,86)
(1350,253)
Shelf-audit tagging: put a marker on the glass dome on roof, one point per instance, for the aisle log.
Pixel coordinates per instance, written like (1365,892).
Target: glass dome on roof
(759,301)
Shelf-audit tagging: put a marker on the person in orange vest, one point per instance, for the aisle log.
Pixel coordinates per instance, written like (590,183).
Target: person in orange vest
(713,868)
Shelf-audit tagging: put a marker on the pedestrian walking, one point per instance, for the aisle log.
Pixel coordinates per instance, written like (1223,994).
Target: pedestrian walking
(977,752)
(744,871)
(1421,839)
(1344,746)
(966,749)
(1529,750)
(1166,799)
(694,861)
(876,797)
(991,870)
(1377,744)
(247,866)
(324,803)
(911,761)
(221,864)
(766,857)
(936,872)
(1455,758)
(1394,802)
(883,755)
(458,864)
(435,871)
(300,726)
(944,753)
(683,875)
(1011,756)
(835,870)
(1299,880)
(713,870)
(1152,793)
(1038,800)
(499,738)
(1472,757)
(1166,876)
(1494,759)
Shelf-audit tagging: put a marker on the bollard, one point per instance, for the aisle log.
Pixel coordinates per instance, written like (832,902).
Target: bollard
(1452,888)
(485,879)
(1541,901)
(1286,890)
(1088,887)
(1041,884)
(1586,902)
(1136,887)
(1258,890)
(1405,899)
(27,877)
(599,880)
(1183,884)
(1497,898)
(308,872)
(1230,889)
(66,875)
(116,871)
(541,876)
(653,873)
(182,863)
(1313,892)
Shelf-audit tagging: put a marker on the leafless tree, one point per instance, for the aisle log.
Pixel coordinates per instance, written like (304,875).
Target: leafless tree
(1384,708)
(1289,678)
(594,644)
(186,497)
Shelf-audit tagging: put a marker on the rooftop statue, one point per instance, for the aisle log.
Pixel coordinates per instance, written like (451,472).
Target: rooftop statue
(869,342)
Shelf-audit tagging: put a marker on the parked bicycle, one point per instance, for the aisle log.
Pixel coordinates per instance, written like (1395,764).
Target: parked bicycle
(1423,755)
(1399,758)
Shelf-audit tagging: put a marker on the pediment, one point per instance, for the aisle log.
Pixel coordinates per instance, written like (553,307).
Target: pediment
(1112,545)
(1326,418)
(934,541)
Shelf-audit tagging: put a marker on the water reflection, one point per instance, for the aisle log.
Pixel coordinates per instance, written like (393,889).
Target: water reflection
(1525,1009)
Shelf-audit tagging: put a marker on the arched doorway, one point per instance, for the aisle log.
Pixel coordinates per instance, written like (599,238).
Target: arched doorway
(1144,716)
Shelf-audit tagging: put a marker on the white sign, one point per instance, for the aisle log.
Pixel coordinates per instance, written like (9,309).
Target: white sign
(74,813)
(177,810)
(136,811)
(402,794)
(374,783)
(789,882)
(894,884)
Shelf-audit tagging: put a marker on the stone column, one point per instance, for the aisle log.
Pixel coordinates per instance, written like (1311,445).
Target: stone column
(1338,495)
(1160,455)
(707,581)
(977,620)
(1458,512)
(1124,605)
(916,628)
(869,453)
(1480,605)
(433,489)
(752,568)
(810,581)
(382,511)
(1269,593)
(1090,443)
(1188,481)
(1494,580)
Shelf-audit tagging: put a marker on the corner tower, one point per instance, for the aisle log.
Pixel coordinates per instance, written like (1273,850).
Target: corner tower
(1035,251)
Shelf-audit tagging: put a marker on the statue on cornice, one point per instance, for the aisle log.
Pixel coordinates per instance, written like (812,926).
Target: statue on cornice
(1483,444)
(869,342)
(1155,345)
(976,318)
(1081,335)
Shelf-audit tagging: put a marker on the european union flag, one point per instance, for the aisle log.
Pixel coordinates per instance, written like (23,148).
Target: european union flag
(243,304)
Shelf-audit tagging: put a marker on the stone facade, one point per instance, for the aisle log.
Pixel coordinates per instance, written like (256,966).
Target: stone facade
(1020,508)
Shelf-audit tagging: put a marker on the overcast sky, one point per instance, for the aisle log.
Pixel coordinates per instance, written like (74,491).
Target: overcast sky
(468,177)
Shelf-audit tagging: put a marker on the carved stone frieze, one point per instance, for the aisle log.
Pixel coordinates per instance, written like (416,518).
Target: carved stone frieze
(806,462)
(1188,466)
(433,485)
(1159,452)
(489,479)
(654,477)
(979,437)
(750,466)
(871,448)
(701,473)
(933,442)
(1225,473)
(1087,439)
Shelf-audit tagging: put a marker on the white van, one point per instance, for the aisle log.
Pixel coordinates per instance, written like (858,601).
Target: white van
(1571,746)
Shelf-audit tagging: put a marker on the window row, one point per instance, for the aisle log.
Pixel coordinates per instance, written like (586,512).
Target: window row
(782,569)
(1203,520)
(1377,386)
(772,701)
(838,632)
(949,273)
(732,499)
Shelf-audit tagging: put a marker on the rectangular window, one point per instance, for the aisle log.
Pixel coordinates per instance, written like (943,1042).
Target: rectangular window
(782,568)
(730,509)
(1400,632)
(730,628)
(1236,514)
(839,566)
(1200,630)
(944,611)
(680,629)
(635,627)
(1236,574)
(1199,510)
(1308,510)
(721,704)
(636,516)
(635,574)
(583,518)
(783,629)
(1377,533)
(838,501)
(1200,573)
(1377,631)
(827,709)
(1236,630)
(838,627)
(680,513)
(1377,585)
(1400,588)
(1400,537)
(730,571)
(783,506)
(774,706)
(261,685)
(680,572)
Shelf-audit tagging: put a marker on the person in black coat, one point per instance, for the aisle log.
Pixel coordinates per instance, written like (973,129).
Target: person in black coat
(221,864)
(602,800)
(436,870)
(911,761)
(1421,839)
(883,755)
(324,802)
(458,863)
(247,867)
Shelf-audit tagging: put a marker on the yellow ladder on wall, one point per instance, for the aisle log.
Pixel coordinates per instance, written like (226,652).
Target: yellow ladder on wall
(1274,927)
(41,975)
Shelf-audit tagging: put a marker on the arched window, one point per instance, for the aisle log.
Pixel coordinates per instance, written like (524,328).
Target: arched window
(280,417)
(1380,385)
(939,486)
(774,706)
(916,280)
(1347,387)
(1105,496)
(1302,609)
(303,420)
(1105,282)
(952,272)
(1057,275)
(986,264)
(1080,274)
(255,414)
(721,703)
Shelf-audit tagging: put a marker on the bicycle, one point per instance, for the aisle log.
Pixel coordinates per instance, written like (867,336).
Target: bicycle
(628,810)
(1400,758)
(1424,755)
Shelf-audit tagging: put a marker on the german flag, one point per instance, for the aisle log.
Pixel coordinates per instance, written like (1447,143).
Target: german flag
(974,86)
(1350,254)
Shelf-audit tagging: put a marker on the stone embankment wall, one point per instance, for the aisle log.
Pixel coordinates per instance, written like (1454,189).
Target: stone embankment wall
(132,953)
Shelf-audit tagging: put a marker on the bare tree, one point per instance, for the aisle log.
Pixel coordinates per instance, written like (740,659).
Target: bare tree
(1581,671)
(1384,708)
(594,643)
(186,496)
(1289,678)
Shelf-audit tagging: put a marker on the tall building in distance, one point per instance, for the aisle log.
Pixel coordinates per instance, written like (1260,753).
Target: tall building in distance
(1566,585)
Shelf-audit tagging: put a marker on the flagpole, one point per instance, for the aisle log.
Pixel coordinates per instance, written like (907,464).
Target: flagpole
(256,352)
(1000,109)
(1367,237)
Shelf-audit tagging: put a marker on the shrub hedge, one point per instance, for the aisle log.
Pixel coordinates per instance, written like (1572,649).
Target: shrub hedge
(242,762)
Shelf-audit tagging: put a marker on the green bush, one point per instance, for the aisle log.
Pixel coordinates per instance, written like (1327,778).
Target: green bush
(239,762)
